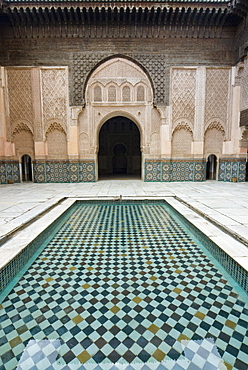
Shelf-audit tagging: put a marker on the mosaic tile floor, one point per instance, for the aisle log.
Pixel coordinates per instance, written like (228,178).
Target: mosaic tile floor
(123,283)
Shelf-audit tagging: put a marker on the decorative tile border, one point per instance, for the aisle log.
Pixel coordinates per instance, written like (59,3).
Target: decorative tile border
(155,170)
(232,169)
(175,170)
(64,171)
(9,172)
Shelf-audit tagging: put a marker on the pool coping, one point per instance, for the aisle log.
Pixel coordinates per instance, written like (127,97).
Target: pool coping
(28,232)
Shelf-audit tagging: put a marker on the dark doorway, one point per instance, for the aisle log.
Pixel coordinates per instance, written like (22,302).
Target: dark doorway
(211,167)
(119,159)
(119,149)
(26,168)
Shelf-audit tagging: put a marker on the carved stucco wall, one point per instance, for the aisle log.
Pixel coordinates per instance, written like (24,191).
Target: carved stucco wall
(82,66)
(183,90)
(212,99)
(213,143)
(56,142)
(116,74)
(109,81)
(23,139)
(181,141)
(217,95)
(19,96)
(244,86)
(54,96)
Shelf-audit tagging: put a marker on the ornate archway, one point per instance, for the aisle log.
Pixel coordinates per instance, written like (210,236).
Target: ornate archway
(119,148)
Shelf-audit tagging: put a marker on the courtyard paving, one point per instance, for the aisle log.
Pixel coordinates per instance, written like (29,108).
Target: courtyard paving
(225,203)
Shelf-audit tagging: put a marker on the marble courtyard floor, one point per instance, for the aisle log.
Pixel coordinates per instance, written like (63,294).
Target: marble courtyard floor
(226,204)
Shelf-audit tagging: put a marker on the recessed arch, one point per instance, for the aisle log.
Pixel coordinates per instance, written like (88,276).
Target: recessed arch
(122,113)
(112,57)
(119,148)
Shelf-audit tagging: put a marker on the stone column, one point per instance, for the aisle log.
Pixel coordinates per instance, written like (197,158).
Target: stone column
(198,143)
(7,149)
(39,144)
(2,112)
(235,117)
(73,150)
(164,133)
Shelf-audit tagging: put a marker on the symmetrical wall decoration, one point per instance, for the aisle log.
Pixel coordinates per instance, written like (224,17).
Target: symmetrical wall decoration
(217,91)
(181,141)
(232,169)
(20,94)
(83,64)
(9,172)
(24,142)
(159,73)
(183,90)
(213,138)
(54,95)
(175,170)
(64,171)
(56,142)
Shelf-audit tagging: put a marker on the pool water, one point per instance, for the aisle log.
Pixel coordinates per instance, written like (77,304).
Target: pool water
(124,283)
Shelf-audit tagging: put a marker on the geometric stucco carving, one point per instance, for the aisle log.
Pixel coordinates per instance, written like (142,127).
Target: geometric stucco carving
(20,94)
(215,125)
(84,64)
(217,91)
(54,96)
(118,80)
(183,125)
(183,94)
(244,86)
(21,127)
(54,126)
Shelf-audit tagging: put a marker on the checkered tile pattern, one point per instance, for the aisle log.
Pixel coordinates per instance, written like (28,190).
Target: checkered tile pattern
(123,284)
(199,355)
(39,354)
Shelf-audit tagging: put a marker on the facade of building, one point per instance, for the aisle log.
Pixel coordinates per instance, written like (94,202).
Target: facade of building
(155,89)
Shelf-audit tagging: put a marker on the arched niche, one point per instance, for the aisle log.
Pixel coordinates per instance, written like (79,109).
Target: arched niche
(118,73)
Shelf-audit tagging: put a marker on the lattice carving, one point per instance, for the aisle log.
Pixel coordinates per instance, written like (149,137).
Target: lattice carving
(183,125)
(183,94)
(244,86)
(216,125)
(55,126)
(140,93)
(97,93)
(126,94)
(54,92)
(159,73)
(217,87)
(112,93)
(20,94)
(83,64)
(21,127)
